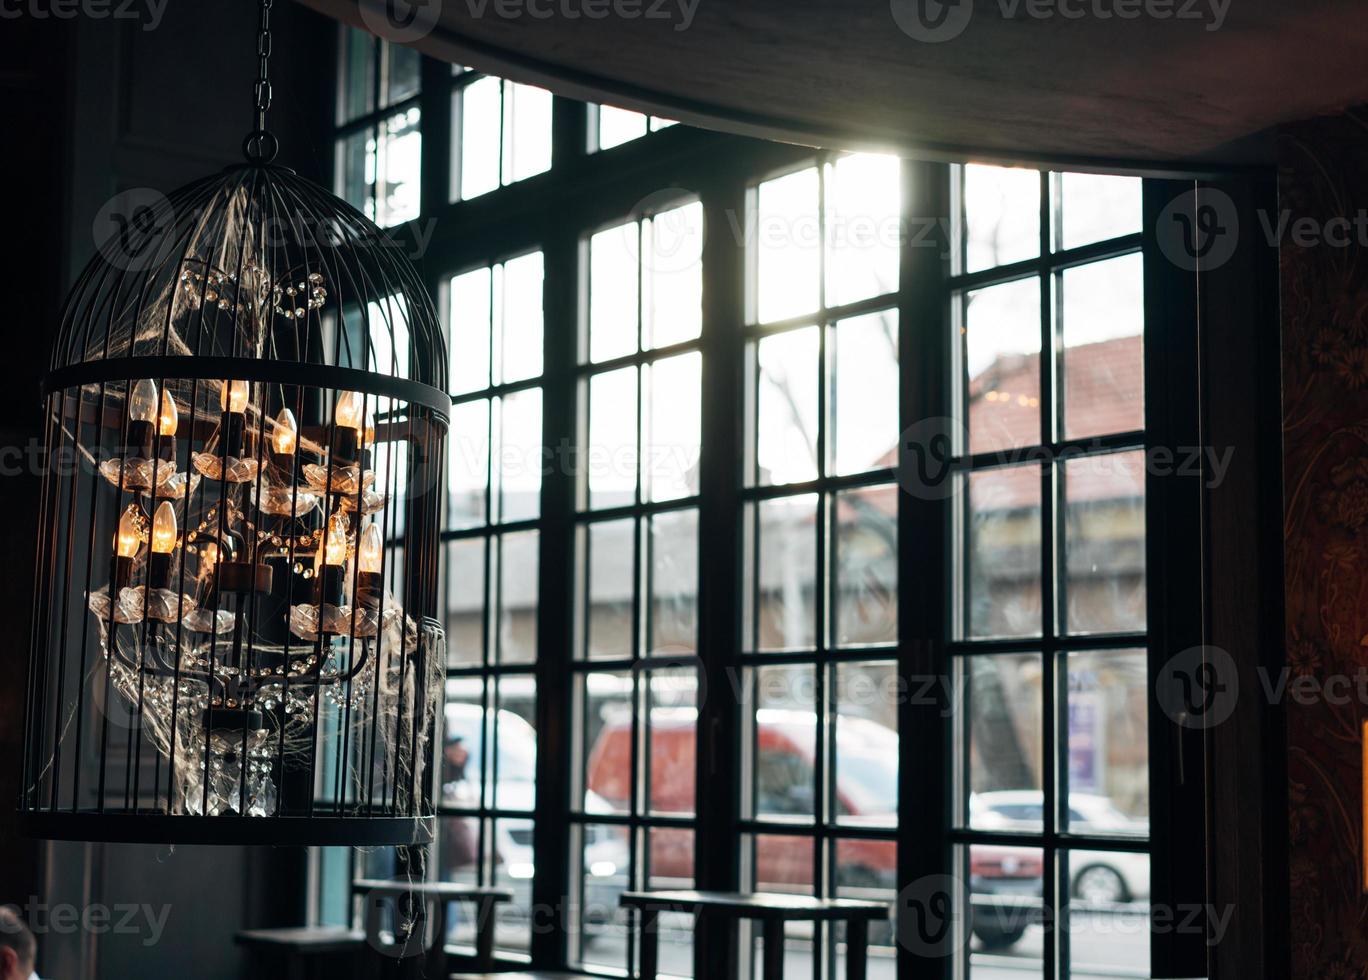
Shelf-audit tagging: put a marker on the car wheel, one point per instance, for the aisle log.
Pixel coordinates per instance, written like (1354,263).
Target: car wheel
(998,937)
(1101,885)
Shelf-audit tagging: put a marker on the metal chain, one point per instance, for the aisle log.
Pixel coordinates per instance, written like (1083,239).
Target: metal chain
(260,144)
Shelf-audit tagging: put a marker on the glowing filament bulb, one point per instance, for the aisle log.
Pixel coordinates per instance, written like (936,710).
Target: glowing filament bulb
(142,405)
(129,536)
(169,419)
(286,435)
(351,410)
(209,555)
(234,397)
(371,551)
(335,547)
(164,529)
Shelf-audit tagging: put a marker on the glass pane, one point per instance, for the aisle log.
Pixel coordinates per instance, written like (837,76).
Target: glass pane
(469,320)
(1002,355)
(515,760)
(607,719)
(1002,215)
(1004,729)
(673,435)
(356,171)
(674,583)
(672,697)
(1109,914)
(402,71)
(672,267)
(609,615)
(865,771)
(863,206)
(520,456)
(1103,321)
(788,242)
(520,355)
(613,273)
(1005,890)
(604,872)
(518,597)
(1108,776)
(513,869)
(356,73)
(866,871)
(865,563)
(465,581)
(480,107)
(527,131)
(783,573)
(458,852)
(1103,589)
(463,755)
(468,464)
(787,425)
(1002,556)
(617,126)
(398,169)
(1096,207)
(779,863)
(784,743)
(612,449)
(670,853)
(863,353)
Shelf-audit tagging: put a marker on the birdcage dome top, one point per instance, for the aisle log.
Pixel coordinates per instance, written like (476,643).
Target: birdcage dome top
(253,264)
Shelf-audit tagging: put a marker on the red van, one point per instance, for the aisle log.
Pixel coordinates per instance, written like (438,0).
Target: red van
(865,792)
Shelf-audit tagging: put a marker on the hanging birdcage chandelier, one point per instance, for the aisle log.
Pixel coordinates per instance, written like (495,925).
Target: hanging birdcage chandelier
(234,634)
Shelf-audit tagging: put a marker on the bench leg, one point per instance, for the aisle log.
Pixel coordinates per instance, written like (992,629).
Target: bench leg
(650,944)
(774,949)
(484,934)
(857,949)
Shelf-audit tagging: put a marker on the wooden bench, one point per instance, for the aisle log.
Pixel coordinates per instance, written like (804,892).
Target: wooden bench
(525,975)
(304,951)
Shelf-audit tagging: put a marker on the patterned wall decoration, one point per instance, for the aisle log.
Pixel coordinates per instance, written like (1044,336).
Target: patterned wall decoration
(1324,278)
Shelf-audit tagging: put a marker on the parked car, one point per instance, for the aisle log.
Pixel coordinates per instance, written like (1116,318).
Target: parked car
(865,791)
(1096,877)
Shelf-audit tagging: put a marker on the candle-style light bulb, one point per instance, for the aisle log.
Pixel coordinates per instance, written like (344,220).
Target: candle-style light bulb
(234,396)
(142,405)
(169,418)
(164,529)
(335,547)
(351,410)
(129,536)
(209,556)
(371,552)
(286,435)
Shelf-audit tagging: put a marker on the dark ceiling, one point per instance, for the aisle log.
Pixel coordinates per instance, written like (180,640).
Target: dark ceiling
(1110,81)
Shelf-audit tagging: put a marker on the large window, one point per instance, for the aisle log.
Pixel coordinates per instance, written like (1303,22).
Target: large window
(705,624)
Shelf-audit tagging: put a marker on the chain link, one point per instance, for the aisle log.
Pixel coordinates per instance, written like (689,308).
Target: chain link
(261,91)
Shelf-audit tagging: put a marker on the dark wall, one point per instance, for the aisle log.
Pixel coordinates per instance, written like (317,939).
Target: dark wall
(92,108)
(1324,175)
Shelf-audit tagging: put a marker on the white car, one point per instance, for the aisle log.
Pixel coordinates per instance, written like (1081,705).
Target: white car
(1096,877)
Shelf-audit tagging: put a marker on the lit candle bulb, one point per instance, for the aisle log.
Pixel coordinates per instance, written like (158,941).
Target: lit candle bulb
(163,544)
(142,418)
(370,557)
(233,399)
(127,541)
(332,556)
(284,441)
(349,421)
(168,421)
